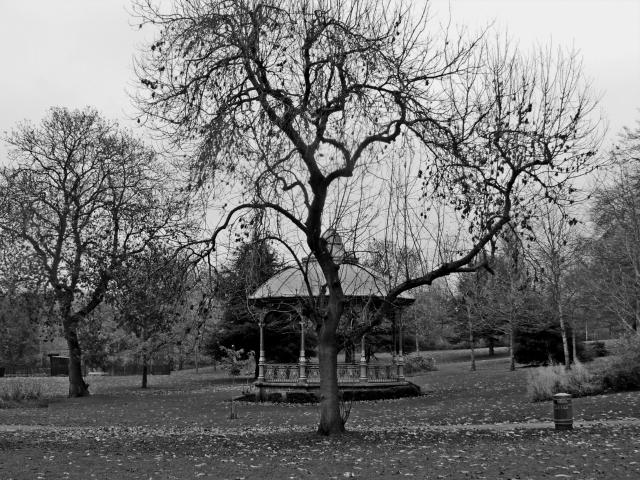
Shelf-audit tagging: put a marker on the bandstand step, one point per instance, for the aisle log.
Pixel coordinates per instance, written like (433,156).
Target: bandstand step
(296,393)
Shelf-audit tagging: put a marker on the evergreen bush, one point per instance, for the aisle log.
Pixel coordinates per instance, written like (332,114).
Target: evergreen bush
(543,346)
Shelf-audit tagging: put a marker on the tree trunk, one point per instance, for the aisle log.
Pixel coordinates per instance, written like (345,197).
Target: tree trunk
(196,352)
(473,353)
(77,385)
(348,352)
(563,332)
(586,329)
(512,359)
(330,420)
(145,370)
(574,348)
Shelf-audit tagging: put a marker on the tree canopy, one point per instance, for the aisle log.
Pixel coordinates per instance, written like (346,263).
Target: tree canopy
(150,291)
(301,109)
(82,196)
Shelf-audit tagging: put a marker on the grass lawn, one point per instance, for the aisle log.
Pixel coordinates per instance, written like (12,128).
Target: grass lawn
(467,425)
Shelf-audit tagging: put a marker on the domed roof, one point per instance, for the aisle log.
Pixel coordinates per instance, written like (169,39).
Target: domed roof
(357,281)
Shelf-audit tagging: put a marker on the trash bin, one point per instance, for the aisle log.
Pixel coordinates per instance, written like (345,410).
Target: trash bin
(562,411)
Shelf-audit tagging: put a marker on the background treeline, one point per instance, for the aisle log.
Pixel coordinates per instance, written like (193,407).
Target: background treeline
(574,277)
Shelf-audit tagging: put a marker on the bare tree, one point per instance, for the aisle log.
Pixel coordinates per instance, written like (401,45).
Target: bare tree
(82,196)
(149,293)
(514,282)
(282,104)
(615,248)
(555,252)
(430,315)
(473,296)
(506,291)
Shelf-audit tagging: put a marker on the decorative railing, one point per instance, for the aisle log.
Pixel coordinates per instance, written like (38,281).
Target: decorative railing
(313,373)
(347,373)
(281,372)
(382,373)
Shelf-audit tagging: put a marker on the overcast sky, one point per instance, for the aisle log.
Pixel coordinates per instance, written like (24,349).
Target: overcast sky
(79,52)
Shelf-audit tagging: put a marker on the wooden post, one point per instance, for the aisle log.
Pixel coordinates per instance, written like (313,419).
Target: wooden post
(302,361)
(363,361)
(261,358)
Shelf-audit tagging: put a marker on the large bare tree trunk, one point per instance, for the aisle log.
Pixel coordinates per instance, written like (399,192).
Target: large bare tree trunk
(330,420)
(77,385)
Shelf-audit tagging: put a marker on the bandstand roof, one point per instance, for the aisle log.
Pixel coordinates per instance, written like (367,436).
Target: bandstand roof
(357,282)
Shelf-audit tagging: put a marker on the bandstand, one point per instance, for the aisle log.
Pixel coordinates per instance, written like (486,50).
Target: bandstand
(300,382)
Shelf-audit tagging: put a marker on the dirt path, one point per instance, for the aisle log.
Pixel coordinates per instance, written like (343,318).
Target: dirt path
(490,427)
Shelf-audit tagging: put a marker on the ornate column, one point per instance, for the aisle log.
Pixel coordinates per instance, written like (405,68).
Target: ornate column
(400,353)
(302,361)
(363,362)
(394,339)
(261,358)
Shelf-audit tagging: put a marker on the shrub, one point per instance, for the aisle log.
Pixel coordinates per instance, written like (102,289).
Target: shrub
(599,349)
(620,372)
(19,391)
(274,397)
(415,363)
(592,350)
(542,346)
(544,382)
(623,371)
(237,362)
(302,397)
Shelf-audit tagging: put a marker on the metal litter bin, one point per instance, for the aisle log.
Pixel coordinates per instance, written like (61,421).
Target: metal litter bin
(562,411)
